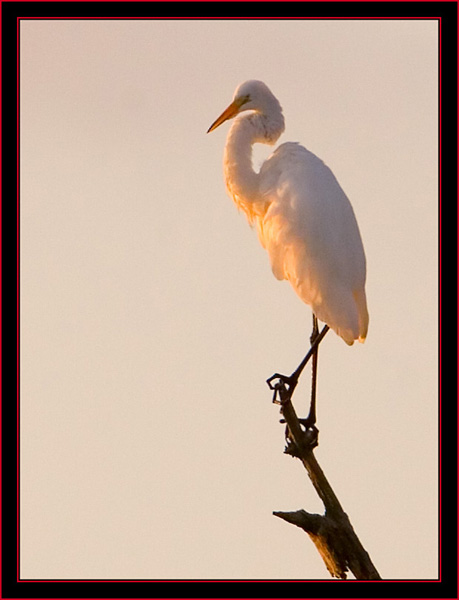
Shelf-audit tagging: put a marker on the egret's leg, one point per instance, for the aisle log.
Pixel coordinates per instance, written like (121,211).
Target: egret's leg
(316,338)
(311,418)
(285,385)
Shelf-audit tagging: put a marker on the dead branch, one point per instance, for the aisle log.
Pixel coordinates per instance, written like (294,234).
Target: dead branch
(332,533)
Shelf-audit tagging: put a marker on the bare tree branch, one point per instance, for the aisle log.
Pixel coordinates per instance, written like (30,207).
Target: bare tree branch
(332,533)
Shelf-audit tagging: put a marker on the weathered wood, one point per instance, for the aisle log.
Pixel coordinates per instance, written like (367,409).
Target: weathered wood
(332,533)
(325,535)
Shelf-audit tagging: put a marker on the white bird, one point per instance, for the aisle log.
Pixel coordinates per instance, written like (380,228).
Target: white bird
(303,218)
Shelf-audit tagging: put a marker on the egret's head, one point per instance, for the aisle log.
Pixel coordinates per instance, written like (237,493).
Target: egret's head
(250,95)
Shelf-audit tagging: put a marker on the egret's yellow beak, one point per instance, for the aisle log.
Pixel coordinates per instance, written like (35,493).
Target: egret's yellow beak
(228,113)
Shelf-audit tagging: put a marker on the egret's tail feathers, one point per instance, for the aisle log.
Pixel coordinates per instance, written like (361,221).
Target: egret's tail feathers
(349,325)
(347,335)
(361,302)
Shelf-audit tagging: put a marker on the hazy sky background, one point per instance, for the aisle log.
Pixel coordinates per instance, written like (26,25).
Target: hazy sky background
(150,318)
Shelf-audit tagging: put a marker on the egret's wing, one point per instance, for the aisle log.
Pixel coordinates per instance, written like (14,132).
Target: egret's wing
(313,240)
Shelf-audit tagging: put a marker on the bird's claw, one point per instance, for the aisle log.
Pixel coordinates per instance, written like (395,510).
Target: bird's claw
(310,433)
(282,388)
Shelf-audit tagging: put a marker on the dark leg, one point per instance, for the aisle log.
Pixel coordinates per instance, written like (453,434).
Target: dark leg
(285,385)
(311,418)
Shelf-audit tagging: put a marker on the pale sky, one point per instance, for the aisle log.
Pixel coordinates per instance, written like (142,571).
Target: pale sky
(150,318)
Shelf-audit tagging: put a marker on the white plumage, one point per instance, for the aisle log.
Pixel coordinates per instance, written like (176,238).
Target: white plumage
(303,218)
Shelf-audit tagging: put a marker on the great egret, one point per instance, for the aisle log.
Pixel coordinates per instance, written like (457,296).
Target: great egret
(303,218)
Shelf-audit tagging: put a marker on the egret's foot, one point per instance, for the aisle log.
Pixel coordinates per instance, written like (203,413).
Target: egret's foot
(308,423)
(311,433)
(308,444)
(309,439)
(283,386)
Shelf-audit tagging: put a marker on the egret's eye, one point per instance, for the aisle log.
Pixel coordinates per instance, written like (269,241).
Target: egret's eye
(244,99)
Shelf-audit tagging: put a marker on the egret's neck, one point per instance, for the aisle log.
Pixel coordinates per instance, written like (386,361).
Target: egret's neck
(242,182)
(240,178)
